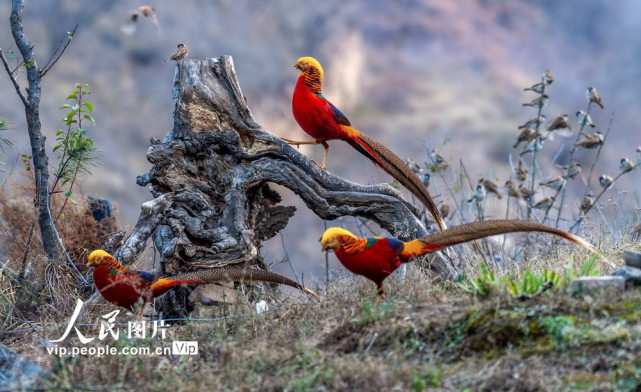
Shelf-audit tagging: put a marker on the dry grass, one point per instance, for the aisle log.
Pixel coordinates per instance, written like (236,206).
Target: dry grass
(426,334)
(36,291)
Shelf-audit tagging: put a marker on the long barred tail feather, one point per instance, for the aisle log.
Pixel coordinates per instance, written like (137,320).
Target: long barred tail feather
(394,166)
(477,230)
(238,273)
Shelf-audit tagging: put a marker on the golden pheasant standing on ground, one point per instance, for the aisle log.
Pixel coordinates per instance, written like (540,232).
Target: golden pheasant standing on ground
(376,258)
(323,121)
(124,287)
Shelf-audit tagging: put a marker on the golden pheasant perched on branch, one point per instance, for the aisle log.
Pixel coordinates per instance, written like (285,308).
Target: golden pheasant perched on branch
(323,121)
(376,258)
(124,287)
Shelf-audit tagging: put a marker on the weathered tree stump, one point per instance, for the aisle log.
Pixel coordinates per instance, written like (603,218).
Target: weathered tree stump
(210,178)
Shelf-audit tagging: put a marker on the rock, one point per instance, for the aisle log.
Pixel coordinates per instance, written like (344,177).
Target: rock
(100,208)
(632,258)
(630,274)
(16,372)
(209,293)
(593,284)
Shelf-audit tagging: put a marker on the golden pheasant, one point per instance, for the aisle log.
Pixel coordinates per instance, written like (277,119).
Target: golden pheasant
(376,258)
(323,121)
(124,287)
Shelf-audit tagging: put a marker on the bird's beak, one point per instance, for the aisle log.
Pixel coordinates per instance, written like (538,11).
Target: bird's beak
(324,248)
(92,263)
(296,66)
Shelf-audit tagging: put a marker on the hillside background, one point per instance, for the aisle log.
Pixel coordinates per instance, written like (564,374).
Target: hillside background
(449,73)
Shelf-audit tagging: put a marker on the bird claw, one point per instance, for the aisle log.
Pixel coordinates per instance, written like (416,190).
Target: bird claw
(322,166)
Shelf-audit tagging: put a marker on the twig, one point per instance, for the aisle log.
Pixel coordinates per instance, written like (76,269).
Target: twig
(598,152)
(54,58)
(562,190)
(13,79)
(23,266)
(535,150)
(326,264)
(479,209)
(599,196)
(289,260)
(440,174)
(588,189)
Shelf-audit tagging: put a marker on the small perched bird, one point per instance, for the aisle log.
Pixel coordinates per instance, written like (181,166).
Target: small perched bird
(413,165)
(544,204)
(593,96)
(437,158)
(534,123)
(586,203)
(425,179)
(537,88)
(548,78)
(555,183)
(180,53)
(590,141)
(323,121)
(584,119)
(573,170)
(445,210)
(560,126)
(538,102)
(490,187)
(144,10)
(525,192)
(520,171)
(124,287)
(512,190)
(378,257)
(535,145)
(626,165)
(478,195)
(605,181)
(526,135)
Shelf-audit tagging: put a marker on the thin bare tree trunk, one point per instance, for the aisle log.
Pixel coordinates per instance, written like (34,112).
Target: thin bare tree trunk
(31,102)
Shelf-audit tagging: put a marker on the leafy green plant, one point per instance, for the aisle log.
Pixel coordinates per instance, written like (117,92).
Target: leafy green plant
(76,151)
(588,268)
(528,283)
(4,126)
(482,285)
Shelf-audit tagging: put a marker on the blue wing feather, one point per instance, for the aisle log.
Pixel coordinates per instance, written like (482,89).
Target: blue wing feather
(339,117)
(393,243)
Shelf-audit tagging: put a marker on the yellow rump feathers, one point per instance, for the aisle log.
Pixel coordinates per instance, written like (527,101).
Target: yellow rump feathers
(304,63)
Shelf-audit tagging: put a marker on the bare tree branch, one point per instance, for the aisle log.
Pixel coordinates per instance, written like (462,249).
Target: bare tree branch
(13,79)
(58,53)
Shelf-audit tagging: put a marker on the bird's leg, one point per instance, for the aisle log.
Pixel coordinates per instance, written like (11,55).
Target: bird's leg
(380,293)
(299,143)
(141,314)
(322,165)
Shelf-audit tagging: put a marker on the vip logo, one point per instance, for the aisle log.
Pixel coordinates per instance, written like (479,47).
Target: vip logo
(184,348)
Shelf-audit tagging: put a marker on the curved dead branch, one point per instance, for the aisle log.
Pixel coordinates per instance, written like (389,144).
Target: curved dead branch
(210,178)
